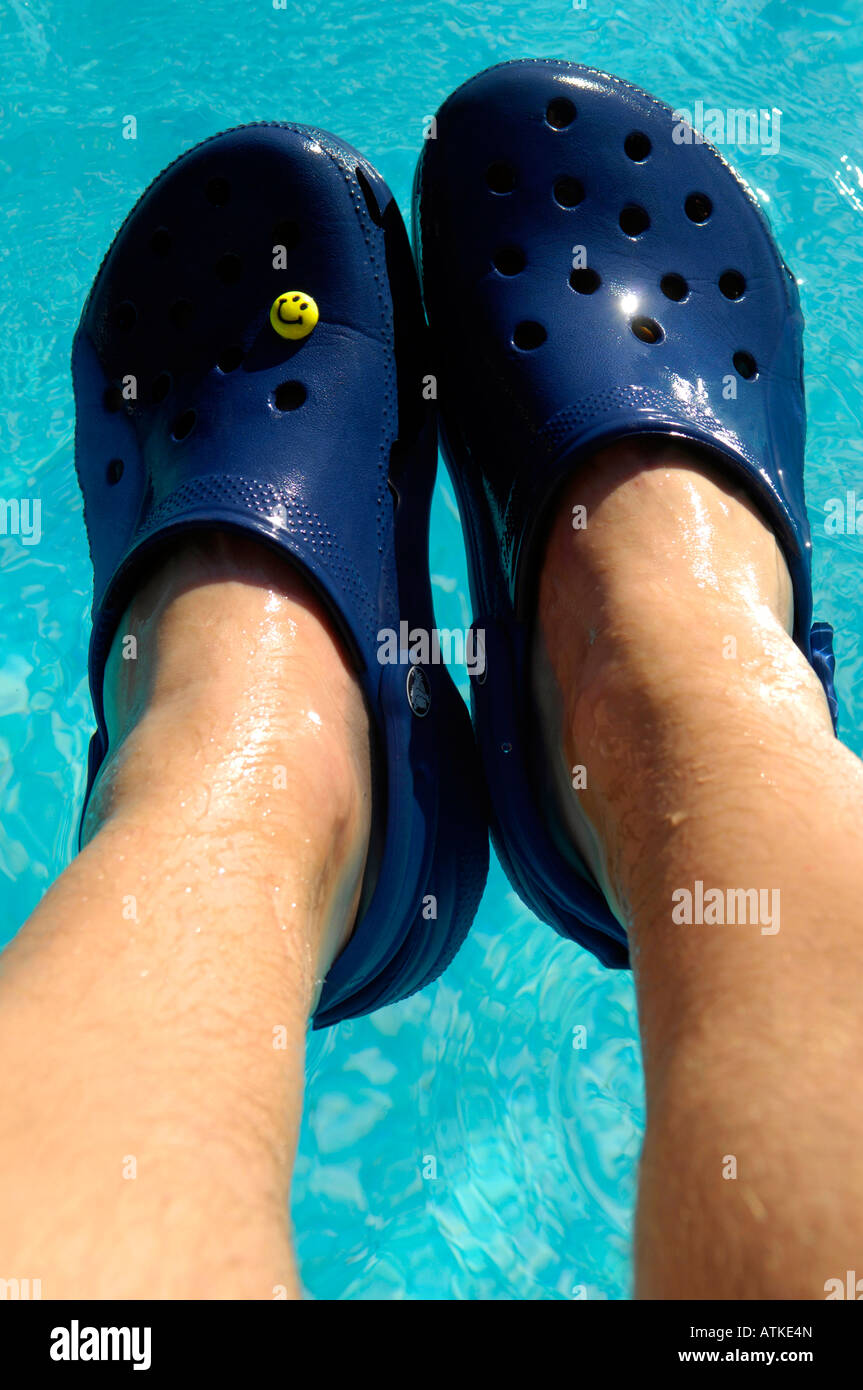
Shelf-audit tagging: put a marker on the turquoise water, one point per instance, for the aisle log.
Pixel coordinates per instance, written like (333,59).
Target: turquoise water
(456,1145)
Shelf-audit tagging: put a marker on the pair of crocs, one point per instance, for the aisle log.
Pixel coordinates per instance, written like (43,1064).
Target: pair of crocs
(253,356)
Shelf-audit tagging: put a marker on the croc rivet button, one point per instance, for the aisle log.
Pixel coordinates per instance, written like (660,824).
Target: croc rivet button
(294,314)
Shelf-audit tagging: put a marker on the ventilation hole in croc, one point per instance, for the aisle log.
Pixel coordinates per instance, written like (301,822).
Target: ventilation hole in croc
(161,241)
(634,220)
(114,471)
(369,194)
(161,387)
(732,284)
(585,281)
(113,399)
(529,335)
(560,113)
(127,316)
(568,192)
(745,364)
(509,260)
(181,313)
(698,207)
(290,395)
(218,192)
(647,329)
(637,145)
(229,268)
(500,177)
(183,425)
(674,287)
(230,360)
(286,233)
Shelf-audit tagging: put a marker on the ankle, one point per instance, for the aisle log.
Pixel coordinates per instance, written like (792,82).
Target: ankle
(649,532)
(239,724)
(663,647)
(662,577)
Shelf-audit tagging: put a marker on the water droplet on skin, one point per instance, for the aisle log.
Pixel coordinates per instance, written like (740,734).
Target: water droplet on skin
(144,974)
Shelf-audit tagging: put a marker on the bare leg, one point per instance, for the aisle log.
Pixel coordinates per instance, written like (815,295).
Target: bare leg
(710,757)
(153,1010)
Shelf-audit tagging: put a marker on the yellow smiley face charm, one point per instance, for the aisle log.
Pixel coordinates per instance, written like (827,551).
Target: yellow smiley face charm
(294,314)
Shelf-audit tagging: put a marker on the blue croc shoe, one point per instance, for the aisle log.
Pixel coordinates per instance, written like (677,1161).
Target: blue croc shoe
(590,271)
(251,357)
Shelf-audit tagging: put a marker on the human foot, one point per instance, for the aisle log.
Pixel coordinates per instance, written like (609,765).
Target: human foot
(202,409)
(613,281)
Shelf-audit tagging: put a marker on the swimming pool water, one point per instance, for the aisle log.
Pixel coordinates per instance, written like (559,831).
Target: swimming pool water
(457,1145)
